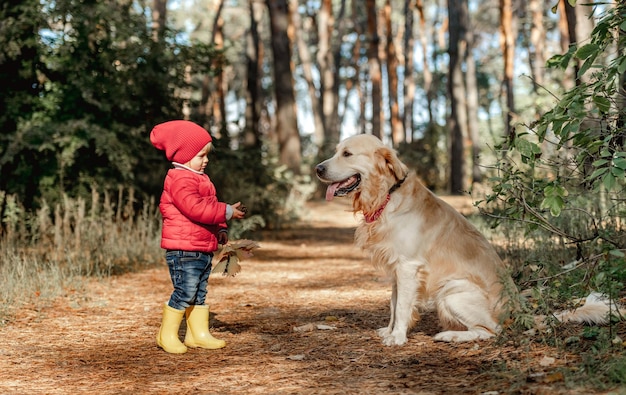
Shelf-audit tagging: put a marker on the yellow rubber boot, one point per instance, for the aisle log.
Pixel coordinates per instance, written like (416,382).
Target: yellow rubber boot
(198,334)
(167,338)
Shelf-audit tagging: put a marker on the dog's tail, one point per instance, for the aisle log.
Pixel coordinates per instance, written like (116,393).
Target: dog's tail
(597,309)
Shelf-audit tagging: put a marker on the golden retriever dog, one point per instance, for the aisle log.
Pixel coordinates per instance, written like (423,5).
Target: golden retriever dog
(435,258)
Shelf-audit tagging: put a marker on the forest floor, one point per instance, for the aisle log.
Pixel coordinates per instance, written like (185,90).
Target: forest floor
(300,318)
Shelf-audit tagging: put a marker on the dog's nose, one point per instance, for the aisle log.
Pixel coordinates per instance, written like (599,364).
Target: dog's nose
(320,169)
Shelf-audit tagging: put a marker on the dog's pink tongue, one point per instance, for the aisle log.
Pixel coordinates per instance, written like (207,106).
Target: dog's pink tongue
(330,191)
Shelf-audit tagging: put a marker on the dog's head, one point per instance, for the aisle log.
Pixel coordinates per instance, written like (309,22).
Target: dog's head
(362,168)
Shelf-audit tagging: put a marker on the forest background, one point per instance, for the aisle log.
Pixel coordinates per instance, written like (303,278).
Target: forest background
(518,103)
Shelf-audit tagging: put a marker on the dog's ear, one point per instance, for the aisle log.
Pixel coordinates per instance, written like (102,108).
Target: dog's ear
(392,163)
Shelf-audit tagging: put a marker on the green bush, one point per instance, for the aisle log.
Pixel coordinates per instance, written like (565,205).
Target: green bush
(560,187)
(564,175)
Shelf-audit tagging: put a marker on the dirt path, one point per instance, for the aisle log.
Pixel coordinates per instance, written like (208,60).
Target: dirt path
(102,342)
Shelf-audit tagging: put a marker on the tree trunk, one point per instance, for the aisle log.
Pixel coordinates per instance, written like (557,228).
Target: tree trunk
(306,63)
(251,133)
(409,80)
(326,63)
(584,26)
(428,76)
(575,27)
(209,106)
(564,35)
(289,145)
(473,135)
(360,24)
(334,122)
(374,67)
(507,44)
(159,16)
(218,119)
(563,26)
(397,131)
(457,121)
(570,20)
(537,42)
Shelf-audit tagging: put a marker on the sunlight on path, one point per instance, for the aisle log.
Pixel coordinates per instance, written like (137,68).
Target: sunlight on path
(337,213)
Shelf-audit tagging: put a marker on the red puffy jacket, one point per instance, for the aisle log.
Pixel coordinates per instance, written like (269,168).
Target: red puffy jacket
(192,215)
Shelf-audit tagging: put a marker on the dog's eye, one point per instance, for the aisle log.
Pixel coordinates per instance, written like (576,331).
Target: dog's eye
(347,154)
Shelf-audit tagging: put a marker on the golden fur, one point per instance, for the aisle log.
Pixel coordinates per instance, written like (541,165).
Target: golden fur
(434,256)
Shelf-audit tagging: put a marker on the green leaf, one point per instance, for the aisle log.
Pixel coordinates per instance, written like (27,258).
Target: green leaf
(554,199)
(608,181)
(555,8)
(554,204)
(527,149)
(620,163)
(599,278)
(602,103)
(572,2)
(554,61)
(555,190)
(560,61)
(600,162)
(621,68)
(586,65)
(598,172)
(586,51)
(617,172)
(617,253)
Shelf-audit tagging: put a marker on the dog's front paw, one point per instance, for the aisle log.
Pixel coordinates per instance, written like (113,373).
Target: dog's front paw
(394,339)
(384,332)
(447,336)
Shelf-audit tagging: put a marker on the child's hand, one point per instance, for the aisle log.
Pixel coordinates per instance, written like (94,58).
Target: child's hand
(222,238)
(239,210)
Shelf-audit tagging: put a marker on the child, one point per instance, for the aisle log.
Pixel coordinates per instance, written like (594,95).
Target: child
(194,222)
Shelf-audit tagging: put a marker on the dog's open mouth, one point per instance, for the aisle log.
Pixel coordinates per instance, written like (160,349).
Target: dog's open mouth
(342,188)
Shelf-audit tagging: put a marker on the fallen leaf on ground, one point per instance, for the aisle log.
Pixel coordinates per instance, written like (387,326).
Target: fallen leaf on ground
(304,328)
(325,327)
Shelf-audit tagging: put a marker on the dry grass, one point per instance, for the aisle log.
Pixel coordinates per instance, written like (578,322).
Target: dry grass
(54,248)
(101,340)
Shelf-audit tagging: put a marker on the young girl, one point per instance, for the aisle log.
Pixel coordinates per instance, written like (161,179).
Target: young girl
(194,222)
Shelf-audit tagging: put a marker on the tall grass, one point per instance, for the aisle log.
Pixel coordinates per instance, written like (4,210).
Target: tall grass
(44,252)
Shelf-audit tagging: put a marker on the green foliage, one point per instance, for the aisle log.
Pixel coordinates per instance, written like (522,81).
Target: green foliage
(102,82)
(20,63)
(93,82)
(561,183)
(565,174)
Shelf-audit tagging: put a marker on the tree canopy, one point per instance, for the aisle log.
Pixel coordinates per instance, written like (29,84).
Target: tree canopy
(283,81)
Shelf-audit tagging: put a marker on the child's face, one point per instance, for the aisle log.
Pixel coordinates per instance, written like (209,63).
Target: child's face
(199,162)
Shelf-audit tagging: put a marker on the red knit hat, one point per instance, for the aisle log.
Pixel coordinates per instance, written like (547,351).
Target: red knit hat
(181,140)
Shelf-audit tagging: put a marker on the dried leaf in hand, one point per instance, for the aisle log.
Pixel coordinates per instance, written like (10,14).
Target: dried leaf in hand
(229,255)
(228,266)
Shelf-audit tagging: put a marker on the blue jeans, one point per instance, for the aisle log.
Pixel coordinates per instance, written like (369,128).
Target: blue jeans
(190,276)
